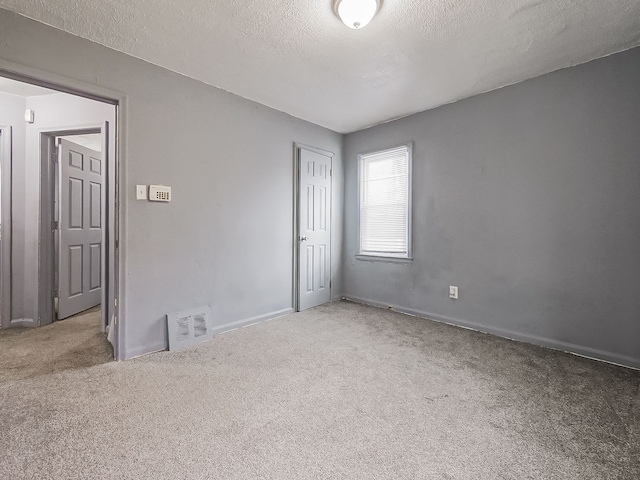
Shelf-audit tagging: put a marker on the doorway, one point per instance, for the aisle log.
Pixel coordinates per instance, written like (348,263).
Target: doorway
(68,253)
(73,197)
(312,227)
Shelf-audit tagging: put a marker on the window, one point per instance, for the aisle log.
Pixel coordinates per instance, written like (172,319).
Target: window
(385,203)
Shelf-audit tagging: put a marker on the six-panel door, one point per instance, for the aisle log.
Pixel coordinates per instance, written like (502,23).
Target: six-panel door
(80,242)
(314,229)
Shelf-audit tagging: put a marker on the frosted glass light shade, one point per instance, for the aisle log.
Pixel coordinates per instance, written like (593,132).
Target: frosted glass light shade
(356,13)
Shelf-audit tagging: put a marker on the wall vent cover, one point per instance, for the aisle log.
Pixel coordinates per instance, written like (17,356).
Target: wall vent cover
(189,327)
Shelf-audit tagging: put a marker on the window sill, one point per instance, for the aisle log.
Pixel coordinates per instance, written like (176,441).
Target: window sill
(377,258)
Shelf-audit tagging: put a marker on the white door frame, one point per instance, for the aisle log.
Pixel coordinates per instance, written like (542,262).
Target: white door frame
(116,222)
(297,147)
(5,254)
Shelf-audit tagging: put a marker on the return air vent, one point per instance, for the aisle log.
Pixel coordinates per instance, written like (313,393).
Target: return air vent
(189,327)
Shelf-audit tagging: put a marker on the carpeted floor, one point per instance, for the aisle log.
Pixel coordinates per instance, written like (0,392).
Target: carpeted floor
(340,391)
(76,342)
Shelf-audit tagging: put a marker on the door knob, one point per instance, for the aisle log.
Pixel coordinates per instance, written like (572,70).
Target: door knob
(303,239)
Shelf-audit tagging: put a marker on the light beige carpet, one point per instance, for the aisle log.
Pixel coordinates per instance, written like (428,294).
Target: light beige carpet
(339,391)
(76,342)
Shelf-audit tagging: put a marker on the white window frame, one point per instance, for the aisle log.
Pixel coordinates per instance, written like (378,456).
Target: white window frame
(388,257)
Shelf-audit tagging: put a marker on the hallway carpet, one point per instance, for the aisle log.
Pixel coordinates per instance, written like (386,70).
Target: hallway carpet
(342,391)
(75,342)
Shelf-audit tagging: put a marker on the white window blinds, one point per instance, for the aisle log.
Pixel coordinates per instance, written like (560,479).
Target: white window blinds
(385,203)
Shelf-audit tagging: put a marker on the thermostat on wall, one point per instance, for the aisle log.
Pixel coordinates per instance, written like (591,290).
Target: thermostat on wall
(159,193)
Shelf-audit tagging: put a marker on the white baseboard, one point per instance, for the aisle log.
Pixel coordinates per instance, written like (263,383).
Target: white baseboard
(251,321)
(588,352)
(144,350)
(23,322)
(159,347)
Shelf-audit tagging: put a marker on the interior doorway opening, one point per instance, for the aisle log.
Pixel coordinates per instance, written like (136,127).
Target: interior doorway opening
(58,180)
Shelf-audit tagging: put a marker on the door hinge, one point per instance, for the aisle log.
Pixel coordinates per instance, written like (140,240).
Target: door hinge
(55,225)
(329,284)
(54,154)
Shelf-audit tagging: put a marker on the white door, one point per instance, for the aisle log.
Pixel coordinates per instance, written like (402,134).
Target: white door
(314,227)
(80,242)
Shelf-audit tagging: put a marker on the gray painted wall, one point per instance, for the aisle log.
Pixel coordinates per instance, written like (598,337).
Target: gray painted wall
(528,199)
(226,239)
(12,109)
(12,113)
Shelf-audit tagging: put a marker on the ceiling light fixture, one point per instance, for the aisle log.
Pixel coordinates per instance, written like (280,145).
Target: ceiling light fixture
(356,13)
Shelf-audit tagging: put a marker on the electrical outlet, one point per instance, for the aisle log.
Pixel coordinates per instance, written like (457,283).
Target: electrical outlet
(453,292)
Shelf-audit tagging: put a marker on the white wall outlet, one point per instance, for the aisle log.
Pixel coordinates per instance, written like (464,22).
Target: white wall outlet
(453,292)
(141,192)
(159,193)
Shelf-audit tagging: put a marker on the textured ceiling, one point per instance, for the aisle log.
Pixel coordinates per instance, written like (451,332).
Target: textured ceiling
(297,57)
